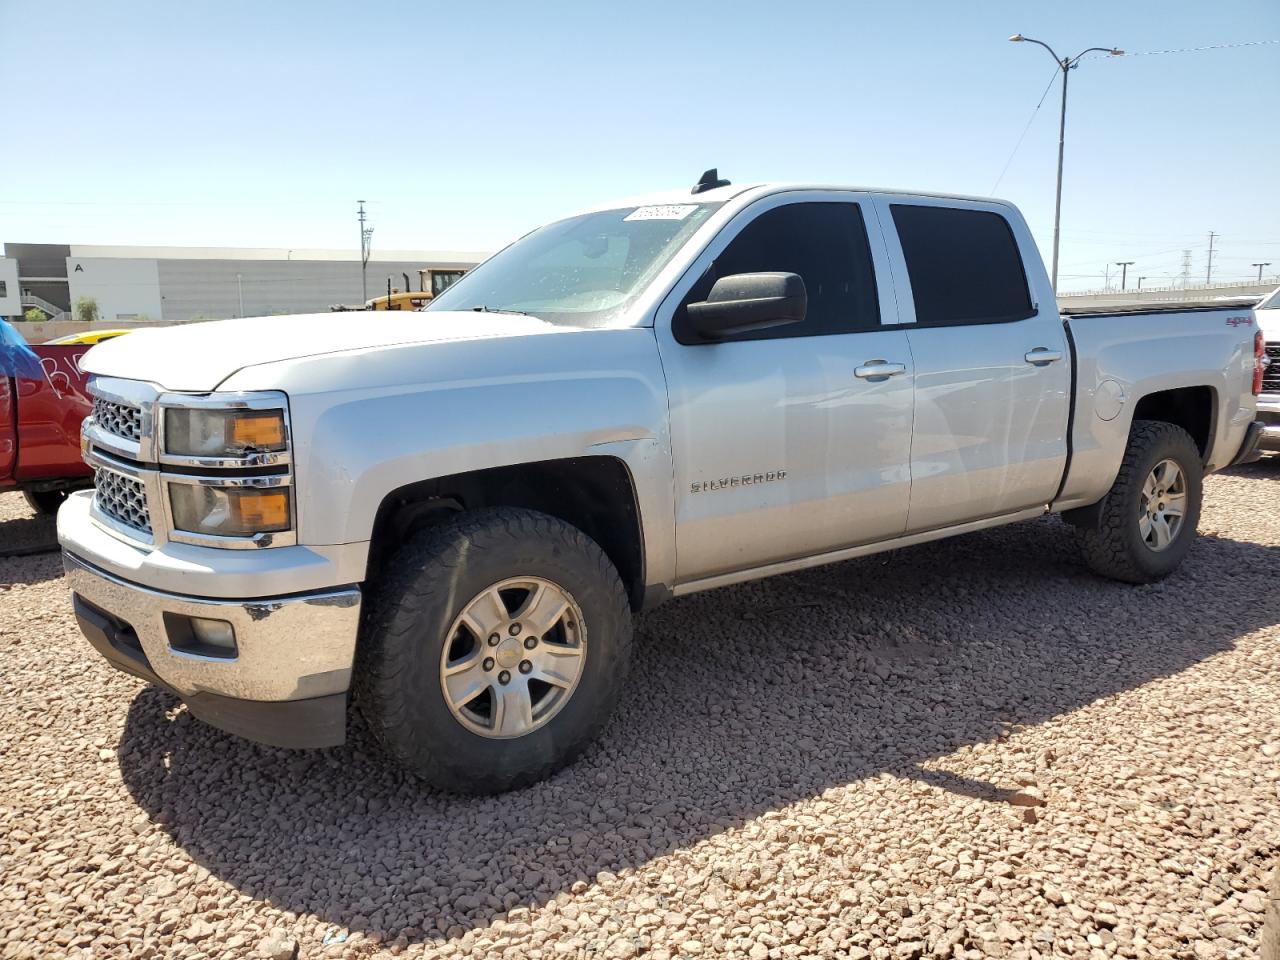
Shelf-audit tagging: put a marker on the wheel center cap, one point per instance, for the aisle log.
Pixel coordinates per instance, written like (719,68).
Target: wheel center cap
(509,652)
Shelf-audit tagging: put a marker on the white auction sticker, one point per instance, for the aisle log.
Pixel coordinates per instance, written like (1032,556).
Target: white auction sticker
(664,211)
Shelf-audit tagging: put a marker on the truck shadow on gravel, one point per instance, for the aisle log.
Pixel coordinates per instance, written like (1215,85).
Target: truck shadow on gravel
(741,701)
(22,537)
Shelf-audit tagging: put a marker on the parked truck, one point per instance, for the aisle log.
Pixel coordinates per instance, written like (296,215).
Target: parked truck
(451,524)
(40,428)
(1268,313)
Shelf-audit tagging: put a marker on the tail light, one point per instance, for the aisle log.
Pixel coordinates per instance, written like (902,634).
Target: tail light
(1259,361)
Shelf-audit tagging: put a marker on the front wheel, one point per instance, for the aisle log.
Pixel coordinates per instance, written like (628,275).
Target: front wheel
(494,651)
(45,502)
(1142,529)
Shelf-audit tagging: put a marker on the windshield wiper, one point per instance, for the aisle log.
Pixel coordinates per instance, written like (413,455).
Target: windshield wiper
(484,309)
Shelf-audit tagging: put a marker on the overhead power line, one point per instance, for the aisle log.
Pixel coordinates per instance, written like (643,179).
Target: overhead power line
(1216,46)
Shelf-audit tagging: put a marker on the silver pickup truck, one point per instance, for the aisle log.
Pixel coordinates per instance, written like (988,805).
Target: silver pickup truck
(449,518)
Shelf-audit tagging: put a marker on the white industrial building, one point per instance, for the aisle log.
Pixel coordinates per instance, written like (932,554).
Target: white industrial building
(184,283)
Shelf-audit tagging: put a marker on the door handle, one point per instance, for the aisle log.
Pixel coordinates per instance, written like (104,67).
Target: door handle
(1042,356)
(876,370)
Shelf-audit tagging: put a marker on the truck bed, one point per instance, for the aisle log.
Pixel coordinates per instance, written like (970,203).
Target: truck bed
(1159,350)
(1158,306)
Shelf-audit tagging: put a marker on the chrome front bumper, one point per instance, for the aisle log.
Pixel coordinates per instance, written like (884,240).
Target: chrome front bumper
(286,648)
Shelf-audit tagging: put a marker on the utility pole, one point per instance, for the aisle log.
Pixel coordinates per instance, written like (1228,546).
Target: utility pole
(1124,266)
(1186,267)
(1208,269)
(366,237)
(1106,277)
(1066,65)
(1260,266)
(240,293)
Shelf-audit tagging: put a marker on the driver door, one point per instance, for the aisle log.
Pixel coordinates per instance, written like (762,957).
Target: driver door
(783,446)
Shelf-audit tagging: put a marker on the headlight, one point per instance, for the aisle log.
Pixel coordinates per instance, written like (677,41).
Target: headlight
(229,511)
(199,432)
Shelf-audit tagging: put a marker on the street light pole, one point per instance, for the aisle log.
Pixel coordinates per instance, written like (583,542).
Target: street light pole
(1124,266)
(1140,279)
(1065,64)
(240,293)
(1260,266)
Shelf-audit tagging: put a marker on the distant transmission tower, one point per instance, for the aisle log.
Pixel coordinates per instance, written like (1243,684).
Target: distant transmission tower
(1186,267)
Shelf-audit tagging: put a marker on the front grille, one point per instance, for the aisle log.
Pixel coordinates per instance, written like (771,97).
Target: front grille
(1271,376)
(122,499)
(119,419)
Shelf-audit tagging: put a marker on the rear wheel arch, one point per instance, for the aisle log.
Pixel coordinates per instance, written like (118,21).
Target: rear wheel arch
(1193,408)
(595,494)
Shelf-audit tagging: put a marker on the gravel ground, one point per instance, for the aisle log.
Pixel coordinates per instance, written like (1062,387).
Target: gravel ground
(965,749)
(21,529)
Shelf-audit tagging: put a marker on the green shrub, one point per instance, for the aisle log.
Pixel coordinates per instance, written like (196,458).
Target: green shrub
(86,309)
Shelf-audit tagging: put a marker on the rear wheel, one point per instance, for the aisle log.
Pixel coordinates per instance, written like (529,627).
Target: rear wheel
(1142,529)
(494,651)
(45,502)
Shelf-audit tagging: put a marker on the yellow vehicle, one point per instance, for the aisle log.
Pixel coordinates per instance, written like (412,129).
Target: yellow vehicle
(438,279)
(412,300)
(89,336)
(432,282)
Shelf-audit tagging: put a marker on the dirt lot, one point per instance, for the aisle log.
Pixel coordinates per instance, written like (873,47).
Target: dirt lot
(971,748)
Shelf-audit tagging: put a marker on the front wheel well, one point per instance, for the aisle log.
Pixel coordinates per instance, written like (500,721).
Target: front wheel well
(595,494)
(1190,408)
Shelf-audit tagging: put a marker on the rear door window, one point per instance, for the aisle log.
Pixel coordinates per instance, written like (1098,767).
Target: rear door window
(964,265)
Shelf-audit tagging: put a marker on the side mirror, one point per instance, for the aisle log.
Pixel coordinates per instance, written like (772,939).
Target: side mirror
(749,301)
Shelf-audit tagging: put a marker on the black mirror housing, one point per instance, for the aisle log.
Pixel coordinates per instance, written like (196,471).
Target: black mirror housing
(749,301)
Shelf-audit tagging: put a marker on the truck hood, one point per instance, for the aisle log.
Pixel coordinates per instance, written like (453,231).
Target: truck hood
(199,356)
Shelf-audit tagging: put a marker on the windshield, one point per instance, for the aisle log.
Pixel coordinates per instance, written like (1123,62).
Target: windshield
(583,271)
(1272,302)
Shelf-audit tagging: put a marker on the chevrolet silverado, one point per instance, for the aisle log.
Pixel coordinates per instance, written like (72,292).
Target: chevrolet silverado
(450,524)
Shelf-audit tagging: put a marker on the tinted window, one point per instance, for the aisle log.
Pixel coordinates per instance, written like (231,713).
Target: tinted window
(964,265)
(826,244)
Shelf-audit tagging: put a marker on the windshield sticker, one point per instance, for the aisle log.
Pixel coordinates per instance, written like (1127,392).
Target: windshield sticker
(664,211)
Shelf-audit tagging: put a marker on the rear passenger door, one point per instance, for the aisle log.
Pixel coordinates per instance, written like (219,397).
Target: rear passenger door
(992,367)
(790,441)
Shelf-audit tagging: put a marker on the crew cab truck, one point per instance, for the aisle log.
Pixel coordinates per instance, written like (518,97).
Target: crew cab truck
(451,524)
(40,429)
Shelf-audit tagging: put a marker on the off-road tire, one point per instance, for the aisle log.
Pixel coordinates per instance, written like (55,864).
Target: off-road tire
(407,617)
(1108,531)
(45,502)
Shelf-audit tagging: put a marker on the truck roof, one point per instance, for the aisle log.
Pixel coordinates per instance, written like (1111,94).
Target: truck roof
(732,191)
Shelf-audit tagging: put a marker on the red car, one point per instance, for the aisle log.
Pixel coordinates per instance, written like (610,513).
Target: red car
(40,429)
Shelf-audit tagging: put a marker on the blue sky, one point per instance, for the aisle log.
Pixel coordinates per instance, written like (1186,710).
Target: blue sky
(463,124)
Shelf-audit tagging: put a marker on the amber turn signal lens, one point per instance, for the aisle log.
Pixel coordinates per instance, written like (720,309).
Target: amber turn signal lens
(263,510)
(258,431)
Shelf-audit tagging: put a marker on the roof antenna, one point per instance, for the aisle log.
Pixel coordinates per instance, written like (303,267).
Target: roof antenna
(709,181)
